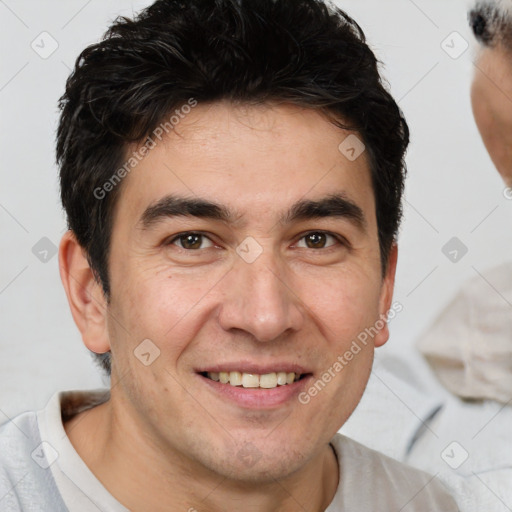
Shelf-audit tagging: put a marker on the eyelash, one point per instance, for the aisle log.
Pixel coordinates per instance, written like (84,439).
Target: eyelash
(342,241)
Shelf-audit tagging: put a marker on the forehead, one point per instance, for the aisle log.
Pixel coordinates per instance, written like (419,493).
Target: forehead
(494,70)
(491,90)
(253,158)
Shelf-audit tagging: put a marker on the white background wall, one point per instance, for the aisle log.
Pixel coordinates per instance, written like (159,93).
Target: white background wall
(452,188)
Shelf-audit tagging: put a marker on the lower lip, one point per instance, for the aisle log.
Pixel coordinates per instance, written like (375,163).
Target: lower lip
(258,398)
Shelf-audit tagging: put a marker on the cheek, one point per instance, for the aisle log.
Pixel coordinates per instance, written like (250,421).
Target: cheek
(343,302)
(159,307)
(162,306)
(498,145)
(482,109)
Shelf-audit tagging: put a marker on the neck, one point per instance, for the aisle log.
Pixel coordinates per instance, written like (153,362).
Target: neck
(142,475)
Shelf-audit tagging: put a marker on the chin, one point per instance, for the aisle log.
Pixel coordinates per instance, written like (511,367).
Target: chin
(261,462)
(266,470)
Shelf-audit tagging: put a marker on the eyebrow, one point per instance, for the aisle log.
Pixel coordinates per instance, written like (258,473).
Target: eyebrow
(334,205)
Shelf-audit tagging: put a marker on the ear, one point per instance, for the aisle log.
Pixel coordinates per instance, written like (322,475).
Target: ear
(85,295)
(386,296)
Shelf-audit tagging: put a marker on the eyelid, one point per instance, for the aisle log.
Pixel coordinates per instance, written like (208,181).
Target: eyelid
(170,240)
(342,240)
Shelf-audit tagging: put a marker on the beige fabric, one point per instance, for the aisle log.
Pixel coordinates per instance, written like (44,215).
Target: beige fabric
(469,345)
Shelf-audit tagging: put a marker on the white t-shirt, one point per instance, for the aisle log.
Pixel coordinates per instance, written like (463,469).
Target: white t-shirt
(40,471)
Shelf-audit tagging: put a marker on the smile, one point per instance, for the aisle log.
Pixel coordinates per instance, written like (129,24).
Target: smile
(253,380)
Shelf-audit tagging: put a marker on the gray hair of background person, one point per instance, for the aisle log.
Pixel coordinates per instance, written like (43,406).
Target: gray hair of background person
(492,23)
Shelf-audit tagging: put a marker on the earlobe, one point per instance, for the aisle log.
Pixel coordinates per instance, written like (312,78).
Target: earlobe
(386,297)
(85,295)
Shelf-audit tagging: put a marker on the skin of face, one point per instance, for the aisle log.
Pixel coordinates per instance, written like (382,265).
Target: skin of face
(166,436)
(491,98)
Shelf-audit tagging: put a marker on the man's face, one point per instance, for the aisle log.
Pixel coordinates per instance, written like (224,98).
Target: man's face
(258,285)
(491,96)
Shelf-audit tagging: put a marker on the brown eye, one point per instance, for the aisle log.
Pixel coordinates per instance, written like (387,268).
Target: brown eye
(317,240)
(192,241)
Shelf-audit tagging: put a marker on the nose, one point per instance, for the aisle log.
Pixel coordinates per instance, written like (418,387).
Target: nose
(258,299)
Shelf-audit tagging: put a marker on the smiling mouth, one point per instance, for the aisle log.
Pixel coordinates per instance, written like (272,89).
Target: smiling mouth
(253,380)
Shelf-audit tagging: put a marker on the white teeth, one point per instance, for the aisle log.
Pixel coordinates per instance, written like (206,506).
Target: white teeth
(281,378)
(235,378)
(268,381)
(252,380)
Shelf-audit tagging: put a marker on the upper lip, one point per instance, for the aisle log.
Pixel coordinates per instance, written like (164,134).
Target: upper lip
(254,368)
